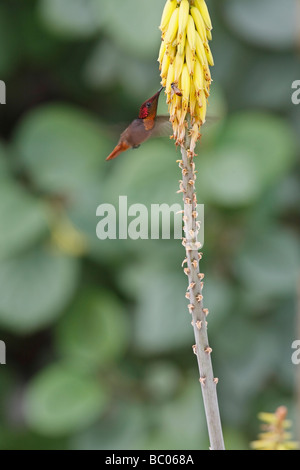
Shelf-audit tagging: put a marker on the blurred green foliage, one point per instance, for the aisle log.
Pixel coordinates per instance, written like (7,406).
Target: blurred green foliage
(97,332)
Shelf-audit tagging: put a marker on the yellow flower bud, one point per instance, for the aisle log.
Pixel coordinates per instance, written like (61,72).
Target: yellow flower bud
(165,66)
(209,54)
(167,13)
(185,86)
(172,28)
(199,23)
(170,78)
(179,61)
(191,33)
(198,77)
(200,50)
(184,10)
(161,54)
(190,60)
(181,44)
(202,7)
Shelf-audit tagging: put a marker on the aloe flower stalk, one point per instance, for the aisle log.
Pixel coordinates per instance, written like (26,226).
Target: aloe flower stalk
(184,59)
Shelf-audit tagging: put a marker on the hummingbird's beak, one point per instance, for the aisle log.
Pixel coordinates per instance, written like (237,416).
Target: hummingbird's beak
(156,96)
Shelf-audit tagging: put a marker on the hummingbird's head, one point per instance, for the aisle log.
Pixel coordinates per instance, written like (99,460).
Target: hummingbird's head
(149,108)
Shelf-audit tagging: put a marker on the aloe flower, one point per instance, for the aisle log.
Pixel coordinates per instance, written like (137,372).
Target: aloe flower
(275,435)
(185,58)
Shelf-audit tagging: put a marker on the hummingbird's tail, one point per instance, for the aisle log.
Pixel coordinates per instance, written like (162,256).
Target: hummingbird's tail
(121,147)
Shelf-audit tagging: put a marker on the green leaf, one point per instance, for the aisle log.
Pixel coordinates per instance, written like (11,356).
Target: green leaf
(135,74)
(162,321)
(8,43)
(134,25)
(38,45)
(283,320)
(72,18)
(270,140)
(162,379)
(215,120)
(146,175)
(62,148)
(59,400)
(177,414)
(34,289)
(23,439)
(94,73)
(8,382)
(296,121)
(82,212)
(234,439)
(246,362)
(228,176)
(125,428)
(274,91)
(23,219)
(269,262)
(254,152)
(218,298)
(3,163)
(265,23)
(94,331)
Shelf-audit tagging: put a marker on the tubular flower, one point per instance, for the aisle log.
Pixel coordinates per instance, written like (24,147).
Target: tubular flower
(275,435)
(184,59)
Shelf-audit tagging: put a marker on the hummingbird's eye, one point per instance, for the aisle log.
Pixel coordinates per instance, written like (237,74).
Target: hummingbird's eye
(148,105)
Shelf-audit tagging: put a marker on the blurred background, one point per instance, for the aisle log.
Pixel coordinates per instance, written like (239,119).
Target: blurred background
(98,335)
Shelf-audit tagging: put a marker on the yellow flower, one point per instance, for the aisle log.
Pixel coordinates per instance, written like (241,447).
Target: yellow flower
(274,435)
(184,60)
(67,238)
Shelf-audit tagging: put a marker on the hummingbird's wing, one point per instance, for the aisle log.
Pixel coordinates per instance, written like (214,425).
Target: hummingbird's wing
(163,126)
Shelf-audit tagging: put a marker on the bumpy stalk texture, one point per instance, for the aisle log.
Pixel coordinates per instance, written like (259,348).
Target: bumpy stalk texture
(194,294)
(184,59)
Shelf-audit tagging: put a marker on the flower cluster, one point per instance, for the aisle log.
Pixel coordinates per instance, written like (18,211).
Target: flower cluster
(275,435)
(184,59)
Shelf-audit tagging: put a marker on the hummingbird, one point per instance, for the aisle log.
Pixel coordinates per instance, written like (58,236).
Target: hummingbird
(141,128)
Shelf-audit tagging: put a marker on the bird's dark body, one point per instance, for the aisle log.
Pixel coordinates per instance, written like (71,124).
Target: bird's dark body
(136,133)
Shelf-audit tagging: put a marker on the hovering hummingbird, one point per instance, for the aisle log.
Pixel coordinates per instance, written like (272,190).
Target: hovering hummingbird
(141,128)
